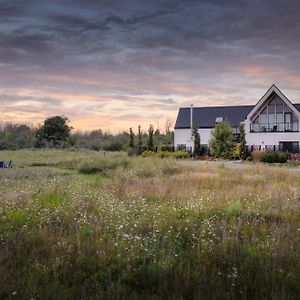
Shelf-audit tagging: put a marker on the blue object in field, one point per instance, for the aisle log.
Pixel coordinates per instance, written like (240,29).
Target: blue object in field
(5,164)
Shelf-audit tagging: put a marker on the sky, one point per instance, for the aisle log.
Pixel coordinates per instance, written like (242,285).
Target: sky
(113,64)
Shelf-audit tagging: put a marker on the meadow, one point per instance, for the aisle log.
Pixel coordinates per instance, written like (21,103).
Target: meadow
(89,225)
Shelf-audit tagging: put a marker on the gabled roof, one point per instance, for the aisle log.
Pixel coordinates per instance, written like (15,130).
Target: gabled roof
(205,117)
(272,90)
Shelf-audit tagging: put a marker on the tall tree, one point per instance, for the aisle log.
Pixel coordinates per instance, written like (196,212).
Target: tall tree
(150,137)
(197,146)
(54,131)
(139,140)
(242,150)
(221,143)
(168,126)
(131,138)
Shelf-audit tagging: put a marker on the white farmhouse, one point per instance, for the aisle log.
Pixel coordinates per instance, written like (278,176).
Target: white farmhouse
(272,124)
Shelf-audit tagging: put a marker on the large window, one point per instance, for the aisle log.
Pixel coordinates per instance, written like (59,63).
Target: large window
(276,116)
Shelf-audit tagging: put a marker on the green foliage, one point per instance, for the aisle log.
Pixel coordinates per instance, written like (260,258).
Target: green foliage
(274,157)
(234,209)
(242,144)
(132,151)
(131,138)
(166,154)
(222,142)
(102,165)
(197,146)
(54,131)
(155,229)
(14,136)
(150,137)
(140,143)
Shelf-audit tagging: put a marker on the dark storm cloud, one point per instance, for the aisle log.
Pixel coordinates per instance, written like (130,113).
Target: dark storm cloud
(137,52)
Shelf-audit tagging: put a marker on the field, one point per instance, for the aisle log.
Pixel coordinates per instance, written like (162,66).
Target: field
(89,225)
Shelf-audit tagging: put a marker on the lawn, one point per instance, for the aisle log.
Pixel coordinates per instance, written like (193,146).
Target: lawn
(89,225)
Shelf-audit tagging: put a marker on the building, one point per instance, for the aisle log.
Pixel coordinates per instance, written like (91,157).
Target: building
(271,124)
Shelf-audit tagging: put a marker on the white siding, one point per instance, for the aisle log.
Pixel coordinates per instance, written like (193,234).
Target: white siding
(269,138)
(183,136)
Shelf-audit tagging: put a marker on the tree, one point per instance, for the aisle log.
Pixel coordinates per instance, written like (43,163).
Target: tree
(242,149)
(221,143)
(139,140)
(197,146)
(15,136)
(168,126)
(55,131)
(131,138)
(150,137)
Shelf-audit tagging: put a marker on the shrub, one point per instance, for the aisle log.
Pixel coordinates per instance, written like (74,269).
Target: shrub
(113,146)
(163,154)
(274,157)
(131,151)
(148,153)
(269,157)
(257,155)
(102,165)
(236,151)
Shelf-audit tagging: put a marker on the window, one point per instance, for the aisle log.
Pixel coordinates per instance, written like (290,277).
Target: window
(219,119)
(279,117)
(181,146)
(263,118)
(275,116)
(279,108)
(289,146)
(272,118)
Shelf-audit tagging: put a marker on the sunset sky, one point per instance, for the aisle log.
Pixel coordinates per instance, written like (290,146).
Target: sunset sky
(114,64)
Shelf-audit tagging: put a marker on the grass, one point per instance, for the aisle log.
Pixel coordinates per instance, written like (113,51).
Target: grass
(84,225)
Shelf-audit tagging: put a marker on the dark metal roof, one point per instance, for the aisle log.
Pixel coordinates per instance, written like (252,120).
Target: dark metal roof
(297,106)
(205,117)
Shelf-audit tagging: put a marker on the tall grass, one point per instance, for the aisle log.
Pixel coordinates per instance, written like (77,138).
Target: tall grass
(154,229)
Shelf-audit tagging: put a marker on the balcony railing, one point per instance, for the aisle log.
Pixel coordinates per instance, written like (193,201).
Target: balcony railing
(274,127)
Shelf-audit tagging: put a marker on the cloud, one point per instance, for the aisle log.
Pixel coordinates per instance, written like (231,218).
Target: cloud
(108,63)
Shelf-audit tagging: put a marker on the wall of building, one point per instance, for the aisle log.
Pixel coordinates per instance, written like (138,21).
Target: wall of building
(269,138)
(183,137)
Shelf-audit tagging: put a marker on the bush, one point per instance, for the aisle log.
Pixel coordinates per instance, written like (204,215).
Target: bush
(163,154)
(148,153)
(102,165)
(274,157)
(112,146)
(131,151)
(257,155)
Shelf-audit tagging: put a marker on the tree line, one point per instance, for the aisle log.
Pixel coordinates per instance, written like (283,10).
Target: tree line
(56,132)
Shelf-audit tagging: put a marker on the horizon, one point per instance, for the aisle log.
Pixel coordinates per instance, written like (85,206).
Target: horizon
(118,64)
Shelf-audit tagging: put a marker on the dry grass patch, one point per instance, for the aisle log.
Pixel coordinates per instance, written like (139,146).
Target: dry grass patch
(150,228)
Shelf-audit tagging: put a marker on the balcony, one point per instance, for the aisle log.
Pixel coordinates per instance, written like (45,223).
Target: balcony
(274,127)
